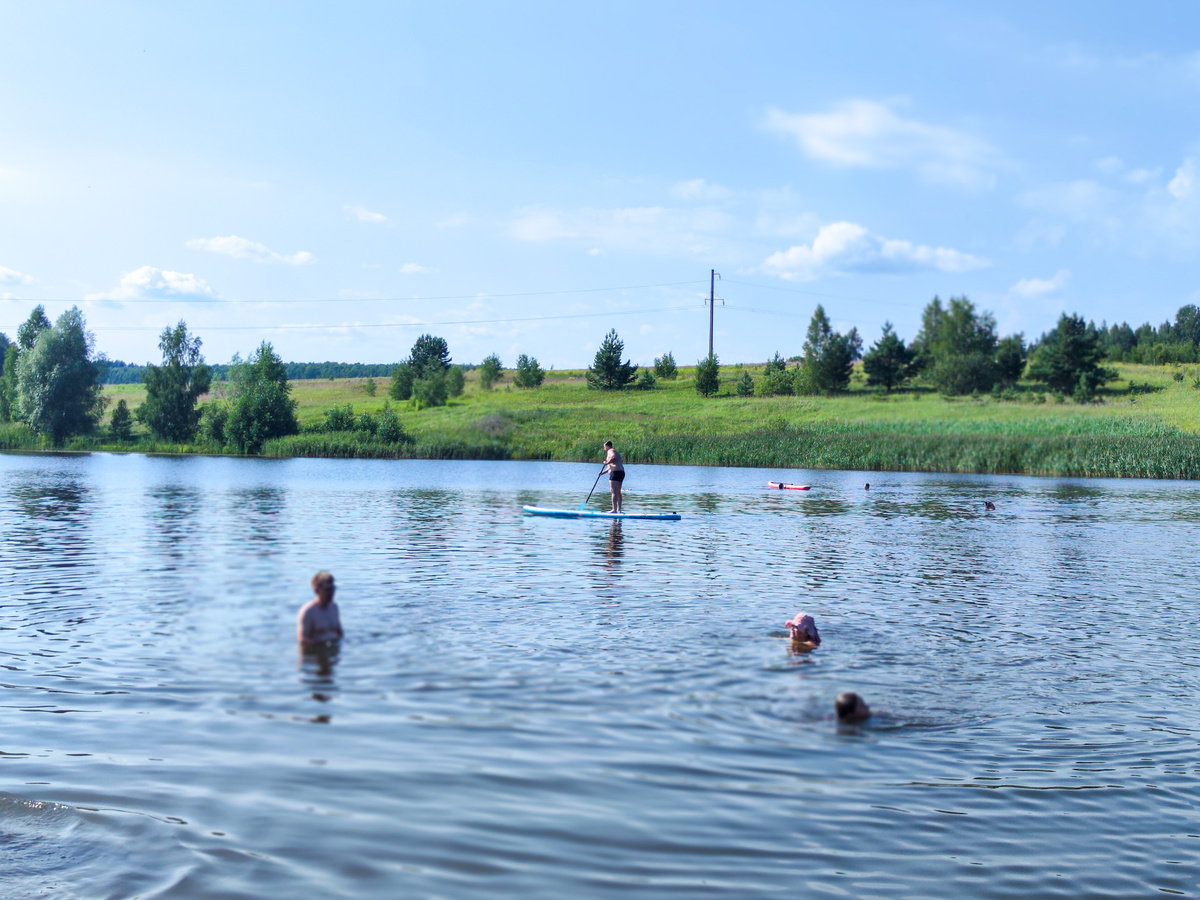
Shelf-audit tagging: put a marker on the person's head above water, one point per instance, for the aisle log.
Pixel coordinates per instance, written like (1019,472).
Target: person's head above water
(851,707)
(988,504)
(804,630)
(322,585)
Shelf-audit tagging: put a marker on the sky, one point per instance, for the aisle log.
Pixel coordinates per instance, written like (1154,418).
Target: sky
(520,178)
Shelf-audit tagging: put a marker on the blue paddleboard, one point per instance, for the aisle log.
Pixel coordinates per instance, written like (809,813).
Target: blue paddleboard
(585,514)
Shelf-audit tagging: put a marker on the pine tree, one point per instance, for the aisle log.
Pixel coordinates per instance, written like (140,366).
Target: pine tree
(888,363)
(121,423)
(708,376)
(529,374)
(607,372)
(745,385)
(1068,358)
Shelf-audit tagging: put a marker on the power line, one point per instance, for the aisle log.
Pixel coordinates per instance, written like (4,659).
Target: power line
(501,321)
(475,296)
(772,287)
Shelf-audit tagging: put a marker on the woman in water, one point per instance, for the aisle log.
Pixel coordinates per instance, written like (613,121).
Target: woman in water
(803,629)
(615,468)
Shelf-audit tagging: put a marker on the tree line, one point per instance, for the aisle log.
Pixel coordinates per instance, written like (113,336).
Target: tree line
(119,372)
(52,377)
(957,351)
(1170,342)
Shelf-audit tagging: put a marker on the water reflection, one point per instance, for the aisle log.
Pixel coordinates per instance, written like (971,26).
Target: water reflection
(317,664)
(51,527)
(259,513)
(612,547)
(174,509)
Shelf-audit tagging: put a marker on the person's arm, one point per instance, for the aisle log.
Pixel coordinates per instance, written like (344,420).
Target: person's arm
(303,626)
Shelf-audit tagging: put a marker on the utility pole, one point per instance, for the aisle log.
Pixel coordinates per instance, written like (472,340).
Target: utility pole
(712,298)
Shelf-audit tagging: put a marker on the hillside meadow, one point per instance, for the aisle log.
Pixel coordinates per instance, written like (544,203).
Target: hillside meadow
(1146,424)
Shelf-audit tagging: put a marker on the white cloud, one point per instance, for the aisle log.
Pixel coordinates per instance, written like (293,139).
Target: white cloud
(1080,200)
(844,247)
(1143,176)
(240,248)
(1183,185)
(162,284)
(12,276)
(642,228)
(365,215)
(595,251)
(1037,287)
(699,189)
(455,221)
(867,134)
(1110,165)
(415,269)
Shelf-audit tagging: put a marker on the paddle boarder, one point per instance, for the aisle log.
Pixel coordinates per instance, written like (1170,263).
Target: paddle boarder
(318,622)
(615,467)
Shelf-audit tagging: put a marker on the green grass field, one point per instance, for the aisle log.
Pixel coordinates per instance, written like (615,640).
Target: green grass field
(1146,424)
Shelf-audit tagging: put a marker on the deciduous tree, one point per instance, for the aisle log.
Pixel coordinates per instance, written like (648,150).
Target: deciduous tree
(58,379)
(490,371)
(956,347)
(260,407)
(173,388)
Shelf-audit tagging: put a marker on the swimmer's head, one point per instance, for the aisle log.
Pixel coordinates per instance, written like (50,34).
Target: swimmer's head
(851,707)
(322,583)
(804,629)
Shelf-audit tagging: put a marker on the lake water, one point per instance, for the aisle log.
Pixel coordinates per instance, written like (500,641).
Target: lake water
(552,708)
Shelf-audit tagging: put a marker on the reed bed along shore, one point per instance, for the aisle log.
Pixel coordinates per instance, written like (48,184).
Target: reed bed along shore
(1145,425)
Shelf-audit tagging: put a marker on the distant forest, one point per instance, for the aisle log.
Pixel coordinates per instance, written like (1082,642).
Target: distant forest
(1177,342)
(130,373)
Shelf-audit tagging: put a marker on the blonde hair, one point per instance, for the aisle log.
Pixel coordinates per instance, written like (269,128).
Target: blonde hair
(321,578)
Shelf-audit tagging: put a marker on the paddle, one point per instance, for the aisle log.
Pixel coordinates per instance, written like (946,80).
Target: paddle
(593,490)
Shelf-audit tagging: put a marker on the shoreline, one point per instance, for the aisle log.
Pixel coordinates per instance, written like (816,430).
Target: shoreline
(1063,456)
(1146,426)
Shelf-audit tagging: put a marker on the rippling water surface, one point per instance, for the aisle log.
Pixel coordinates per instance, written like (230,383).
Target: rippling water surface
(584,708)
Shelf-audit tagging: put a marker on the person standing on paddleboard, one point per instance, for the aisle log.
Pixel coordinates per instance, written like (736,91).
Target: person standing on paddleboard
(615,468)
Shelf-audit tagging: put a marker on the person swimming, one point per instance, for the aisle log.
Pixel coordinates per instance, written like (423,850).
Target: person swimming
(803,629)
(867,486)
(318,623)
(851,708)
(989,505)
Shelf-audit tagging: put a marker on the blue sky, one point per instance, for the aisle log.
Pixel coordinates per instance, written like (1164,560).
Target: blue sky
(520,178)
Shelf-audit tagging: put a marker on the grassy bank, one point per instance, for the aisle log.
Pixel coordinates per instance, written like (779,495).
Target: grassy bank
(1147,424)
